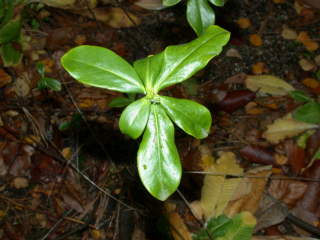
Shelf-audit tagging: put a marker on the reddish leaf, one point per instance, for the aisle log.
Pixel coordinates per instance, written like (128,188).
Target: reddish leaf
(235,100)
(310,200)
(258,154)
(313,144)
(296,156)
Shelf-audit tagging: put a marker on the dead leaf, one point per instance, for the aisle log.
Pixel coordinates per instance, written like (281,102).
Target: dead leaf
(179,229)
(270,212)
(249,191)
(284,128)
(268,84)
(20,182)
(306,64)
(288,33)
(5,78)
(259,68)
(217,190)
(244,22)
(150,4)
(70,4)
(255,40)
(311,83)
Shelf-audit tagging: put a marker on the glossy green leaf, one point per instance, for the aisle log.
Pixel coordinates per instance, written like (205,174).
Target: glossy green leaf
(218,3)
(10,56)
(310,113)
(158,159)
(149,69)
(100,67)
(182,61)
(50,83)
(40,69)
(191,117)
(134,118)
(10,31)
(169,3)
(120,102)
(300,96)
(200,15)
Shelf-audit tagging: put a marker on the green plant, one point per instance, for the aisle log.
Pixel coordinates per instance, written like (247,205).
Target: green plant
(46,82)
(199,13)
(10,28)
(158,159)
(309,112)
(240,227)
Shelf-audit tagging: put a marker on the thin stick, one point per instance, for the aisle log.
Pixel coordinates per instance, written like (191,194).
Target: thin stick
(227,175)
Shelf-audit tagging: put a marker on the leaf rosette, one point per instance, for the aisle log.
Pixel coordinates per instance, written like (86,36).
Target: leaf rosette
(153,115)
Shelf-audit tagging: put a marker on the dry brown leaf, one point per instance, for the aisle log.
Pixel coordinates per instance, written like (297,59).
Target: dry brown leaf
(284,128)
(70,4)
(259,68)
(244,22)
(268,84)
(4,78)
(116,17)
(179,229)
(311,83)
(255,40)
(217,190)
(249,191)
(150,4)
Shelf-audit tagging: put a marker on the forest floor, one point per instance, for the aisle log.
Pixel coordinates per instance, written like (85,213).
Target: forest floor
(67,172)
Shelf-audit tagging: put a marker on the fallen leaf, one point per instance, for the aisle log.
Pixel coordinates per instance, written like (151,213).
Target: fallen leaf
(306,64)
(284,128)
(268,84)
(217,191)
(179,229)
(311,83)
(150,4)
(5,78)
(244,22)
(259,68)
(70,4)
(249,191)
(270,212)
(258,154)
(235,100)
(20,182)
(312,3)
(288,33)
(279,1)
(255,40)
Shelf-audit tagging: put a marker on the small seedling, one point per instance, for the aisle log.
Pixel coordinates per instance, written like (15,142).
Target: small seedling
(200,15)
(240,227)
(158,159)
(46,82)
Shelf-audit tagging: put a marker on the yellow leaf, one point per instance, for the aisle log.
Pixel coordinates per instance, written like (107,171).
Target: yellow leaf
(249,191)
(286,127)
(217,190)
(268,84)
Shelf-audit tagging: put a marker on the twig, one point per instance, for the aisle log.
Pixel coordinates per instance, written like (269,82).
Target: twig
(227,175)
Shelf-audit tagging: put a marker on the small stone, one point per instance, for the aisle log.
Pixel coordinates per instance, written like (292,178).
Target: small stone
(317,60)
(232,52)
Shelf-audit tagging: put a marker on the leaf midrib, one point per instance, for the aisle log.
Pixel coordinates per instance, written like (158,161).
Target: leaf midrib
(183,59)
(111,72)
